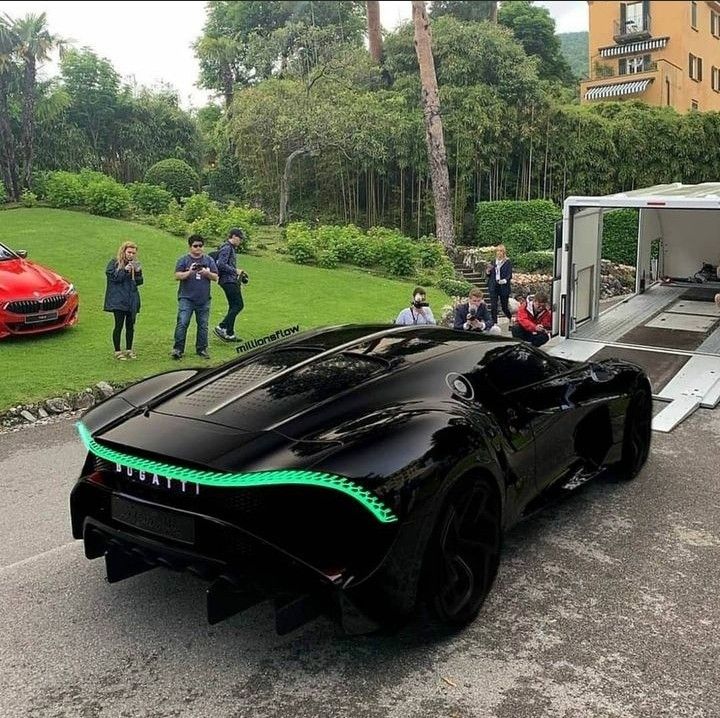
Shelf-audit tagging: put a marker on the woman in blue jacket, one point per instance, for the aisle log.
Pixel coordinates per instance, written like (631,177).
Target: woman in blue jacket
(124,276)
(499,275)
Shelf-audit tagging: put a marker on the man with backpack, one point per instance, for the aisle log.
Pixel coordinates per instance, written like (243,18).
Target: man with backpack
(229,280)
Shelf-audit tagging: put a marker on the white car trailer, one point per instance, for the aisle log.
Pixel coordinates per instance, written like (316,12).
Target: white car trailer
(670,324)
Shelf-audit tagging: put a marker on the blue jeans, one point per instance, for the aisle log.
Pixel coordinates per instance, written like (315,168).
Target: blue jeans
(186,308)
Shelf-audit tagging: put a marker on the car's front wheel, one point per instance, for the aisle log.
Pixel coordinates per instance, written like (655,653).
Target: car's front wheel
(463,554)
(637,433)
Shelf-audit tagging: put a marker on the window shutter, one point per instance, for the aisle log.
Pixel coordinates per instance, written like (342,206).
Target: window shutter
(623,17)
(623,66)
(699,69)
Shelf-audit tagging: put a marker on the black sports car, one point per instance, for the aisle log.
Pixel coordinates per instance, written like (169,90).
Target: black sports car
(356,471)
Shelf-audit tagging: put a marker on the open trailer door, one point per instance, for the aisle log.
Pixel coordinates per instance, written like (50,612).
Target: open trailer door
(585,250)
(558,298)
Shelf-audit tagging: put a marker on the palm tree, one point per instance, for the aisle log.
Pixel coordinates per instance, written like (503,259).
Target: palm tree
(8,163)
(437,158)
(34,45)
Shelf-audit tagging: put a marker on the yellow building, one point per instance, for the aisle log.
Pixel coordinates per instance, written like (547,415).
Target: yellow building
(664,53)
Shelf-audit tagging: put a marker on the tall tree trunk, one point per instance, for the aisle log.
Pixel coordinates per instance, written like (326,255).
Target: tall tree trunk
(492,15)
(28,121)
(285,184)
(437,158)
(374,31)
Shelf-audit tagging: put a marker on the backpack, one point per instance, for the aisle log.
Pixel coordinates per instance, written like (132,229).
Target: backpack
(215,254)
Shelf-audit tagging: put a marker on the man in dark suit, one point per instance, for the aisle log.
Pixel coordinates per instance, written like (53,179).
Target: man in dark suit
(473,315)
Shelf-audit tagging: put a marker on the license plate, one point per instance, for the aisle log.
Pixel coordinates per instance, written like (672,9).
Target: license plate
(168,524)
(41,318)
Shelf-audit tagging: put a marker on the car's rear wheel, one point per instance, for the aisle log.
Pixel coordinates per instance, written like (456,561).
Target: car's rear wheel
(463,554)
(637,433)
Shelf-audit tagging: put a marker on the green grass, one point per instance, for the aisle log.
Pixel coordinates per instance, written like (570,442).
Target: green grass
(78,246)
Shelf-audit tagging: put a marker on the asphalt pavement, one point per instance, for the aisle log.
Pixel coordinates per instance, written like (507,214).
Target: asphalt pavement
(605,605)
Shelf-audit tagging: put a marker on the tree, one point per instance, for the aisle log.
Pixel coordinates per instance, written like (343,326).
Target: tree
(246,42)
(534,29)
(8,72)
(466,10)
(374,30)
(437,158)
(34,44)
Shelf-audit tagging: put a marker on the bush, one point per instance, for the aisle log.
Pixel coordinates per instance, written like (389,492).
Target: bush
(454,287)
(107,197)
(619,237)
(302,249)
(210,226)
(176,176)
(63,189)
(431,253)
(520,238)
(399,256)
(28,198)
(368,252)
(3,193)
(492,218)
(535,262)
(327,258)
(88,177)
(38,183)
(172,221)
(148,197)
(198,206)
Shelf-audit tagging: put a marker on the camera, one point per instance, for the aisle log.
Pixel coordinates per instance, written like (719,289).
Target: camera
(196,267)
(417,305)
(243,277)
(472,314)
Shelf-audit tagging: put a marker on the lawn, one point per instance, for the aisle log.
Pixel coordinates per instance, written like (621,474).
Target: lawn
(79,245)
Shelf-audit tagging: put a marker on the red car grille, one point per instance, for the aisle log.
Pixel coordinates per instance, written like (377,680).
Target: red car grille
(33,306)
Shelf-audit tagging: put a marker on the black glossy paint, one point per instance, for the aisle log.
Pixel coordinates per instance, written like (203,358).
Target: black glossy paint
(403,411)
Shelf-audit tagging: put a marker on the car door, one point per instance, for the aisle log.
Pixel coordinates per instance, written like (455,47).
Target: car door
(537,390)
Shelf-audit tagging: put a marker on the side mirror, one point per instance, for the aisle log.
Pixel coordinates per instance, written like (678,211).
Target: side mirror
(600,374)
(22,253)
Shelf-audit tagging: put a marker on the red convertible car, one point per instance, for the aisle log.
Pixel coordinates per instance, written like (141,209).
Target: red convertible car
(33,299)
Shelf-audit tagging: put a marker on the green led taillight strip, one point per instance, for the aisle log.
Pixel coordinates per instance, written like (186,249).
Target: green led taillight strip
(253,479)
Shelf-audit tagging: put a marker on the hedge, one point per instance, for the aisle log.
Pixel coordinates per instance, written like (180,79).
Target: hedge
(176,176)
(493,218)
(619,237)
(534,262)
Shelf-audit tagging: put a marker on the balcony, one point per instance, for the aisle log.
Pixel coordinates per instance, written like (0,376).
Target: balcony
(600,71)
(632,30)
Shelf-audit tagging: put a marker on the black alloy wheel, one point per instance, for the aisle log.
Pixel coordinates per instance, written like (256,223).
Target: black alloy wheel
(637,433)
(463,554)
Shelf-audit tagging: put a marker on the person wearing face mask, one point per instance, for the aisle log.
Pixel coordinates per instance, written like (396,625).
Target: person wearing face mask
(123,275)
(499,275)
(418,312)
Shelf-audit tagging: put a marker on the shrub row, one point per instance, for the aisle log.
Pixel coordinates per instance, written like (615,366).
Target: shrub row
(379,248)
(619,237)
(201,215)
(522,226)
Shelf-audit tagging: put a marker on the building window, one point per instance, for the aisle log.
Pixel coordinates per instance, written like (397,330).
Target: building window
(694,105)
(634,16)
(695,67)
(715,79)
(693,15)
(714,24)
(633,65)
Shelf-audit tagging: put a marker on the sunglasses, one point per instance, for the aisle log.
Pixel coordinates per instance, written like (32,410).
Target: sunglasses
(195,246)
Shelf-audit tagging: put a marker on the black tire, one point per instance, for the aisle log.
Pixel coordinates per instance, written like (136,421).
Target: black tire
(463,554)
(637,433)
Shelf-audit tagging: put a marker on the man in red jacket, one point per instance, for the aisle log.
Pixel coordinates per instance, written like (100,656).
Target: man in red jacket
(534,320)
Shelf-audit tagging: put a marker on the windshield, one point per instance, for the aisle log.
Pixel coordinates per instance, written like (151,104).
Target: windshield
(6,253)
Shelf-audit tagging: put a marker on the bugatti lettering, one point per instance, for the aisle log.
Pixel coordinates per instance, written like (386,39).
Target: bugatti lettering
(163,482)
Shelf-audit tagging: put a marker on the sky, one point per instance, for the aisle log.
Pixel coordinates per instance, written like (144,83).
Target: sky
(150,42)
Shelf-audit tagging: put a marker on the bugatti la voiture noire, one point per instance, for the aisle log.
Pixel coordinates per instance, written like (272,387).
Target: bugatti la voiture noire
(356,471)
